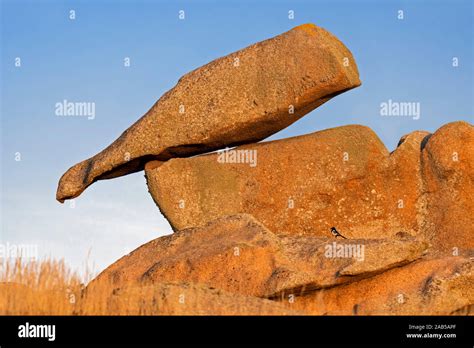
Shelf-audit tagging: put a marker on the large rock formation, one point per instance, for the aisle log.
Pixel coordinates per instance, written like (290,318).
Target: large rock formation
(253,224)
(240,98)
(406,216)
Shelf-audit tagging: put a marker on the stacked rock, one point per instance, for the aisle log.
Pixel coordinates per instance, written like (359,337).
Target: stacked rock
(256,220)
(237,99)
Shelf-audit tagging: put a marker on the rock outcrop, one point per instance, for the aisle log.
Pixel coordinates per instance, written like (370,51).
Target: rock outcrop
(240,98)
(405,216)
(257,261)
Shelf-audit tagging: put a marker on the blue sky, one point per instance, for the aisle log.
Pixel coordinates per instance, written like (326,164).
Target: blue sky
(407,59)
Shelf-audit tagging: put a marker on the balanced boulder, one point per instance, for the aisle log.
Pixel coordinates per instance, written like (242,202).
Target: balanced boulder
(241,98)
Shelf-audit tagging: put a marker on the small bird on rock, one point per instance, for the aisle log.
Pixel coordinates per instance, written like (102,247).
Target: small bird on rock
(336,233)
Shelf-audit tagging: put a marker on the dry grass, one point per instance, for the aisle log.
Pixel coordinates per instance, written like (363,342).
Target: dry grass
(49,287)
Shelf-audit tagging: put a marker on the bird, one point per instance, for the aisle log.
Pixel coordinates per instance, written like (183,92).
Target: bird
(336,233)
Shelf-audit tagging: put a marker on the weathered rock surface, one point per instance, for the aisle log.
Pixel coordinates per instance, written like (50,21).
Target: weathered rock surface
(240,98)
(448,174)
(439,286)
(239,255)
(189,299)
(342,177)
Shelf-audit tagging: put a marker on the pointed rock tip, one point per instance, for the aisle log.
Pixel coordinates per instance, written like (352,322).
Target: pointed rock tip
(307,27)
